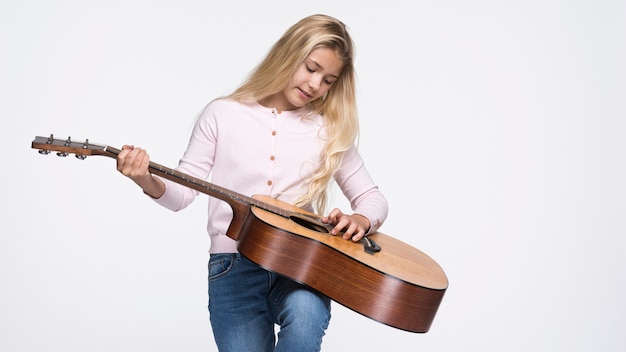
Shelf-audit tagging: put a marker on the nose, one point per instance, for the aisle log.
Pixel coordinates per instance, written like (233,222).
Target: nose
(315,82)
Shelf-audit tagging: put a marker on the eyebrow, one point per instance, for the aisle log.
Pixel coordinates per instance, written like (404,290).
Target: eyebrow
(320,66)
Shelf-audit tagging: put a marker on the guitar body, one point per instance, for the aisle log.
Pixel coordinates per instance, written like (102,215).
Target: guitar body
(392,282)
(399,286)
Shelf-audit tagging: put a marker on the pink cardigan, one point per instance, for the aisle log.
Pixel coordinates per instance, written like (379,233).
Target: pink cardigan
(251,149)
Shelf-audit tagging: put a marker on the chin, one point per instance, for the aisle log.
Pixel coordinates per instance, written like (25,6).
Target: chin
(296,105)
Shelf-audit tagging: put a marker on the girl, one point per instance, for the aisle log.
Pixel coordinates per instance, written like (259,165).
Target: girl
(288,131)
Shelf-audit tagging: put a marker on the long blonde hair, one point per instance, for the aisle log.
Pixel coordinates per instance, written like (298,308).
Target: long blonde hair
(338,105)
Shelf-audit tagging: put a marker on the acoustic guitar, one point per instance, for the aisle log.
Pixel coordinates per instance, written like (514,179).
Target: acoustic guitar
(381,277)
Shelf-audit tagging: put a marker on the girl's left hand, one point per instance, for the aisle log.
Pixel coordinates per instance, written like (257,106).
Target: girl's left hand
(353,226)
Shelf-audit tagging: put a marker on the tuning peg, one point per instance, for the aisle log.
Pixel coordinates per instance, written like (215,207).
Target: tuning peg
(49,141)
(68,142)
(85,146)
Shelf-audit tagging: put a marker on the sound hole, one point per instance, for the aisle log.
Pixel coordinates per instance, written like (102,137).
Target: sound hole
(310,224)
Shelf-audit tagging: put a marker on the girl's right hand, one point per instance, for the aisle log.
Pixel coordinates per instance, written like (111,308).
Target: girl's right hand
(133,163)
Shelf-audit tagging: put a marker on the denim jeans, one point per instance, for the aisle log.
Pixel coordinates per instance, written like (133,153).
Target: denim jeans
(245,301)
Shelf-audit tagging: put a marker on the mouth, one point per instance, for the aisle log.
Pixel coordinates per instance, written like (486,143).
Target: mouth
(305,94)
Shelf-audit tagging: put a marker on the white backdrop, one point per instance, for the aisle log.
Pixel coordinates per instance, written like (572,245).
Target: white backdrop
(496,130)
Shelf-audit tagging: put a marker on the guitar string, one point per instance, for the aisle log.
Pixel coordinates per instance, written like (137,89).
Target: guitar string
(45,143)
(212,187)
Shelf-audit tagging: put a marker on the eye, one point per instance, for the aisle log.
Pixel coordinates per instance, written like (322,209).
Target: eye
(309,69)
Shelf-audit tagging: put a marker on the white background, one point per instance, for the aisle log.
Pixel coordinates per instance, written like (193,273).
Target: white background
(495,128)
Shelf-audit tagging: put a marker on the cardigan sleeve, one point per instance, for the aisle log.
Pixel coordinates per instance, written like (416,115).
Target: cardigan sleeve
(363,194)
(197,161)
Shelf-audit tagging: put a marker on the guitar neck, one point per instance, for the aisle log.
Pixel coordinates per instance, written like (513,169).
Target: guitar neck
(234,199)
(194,183)
(238,202)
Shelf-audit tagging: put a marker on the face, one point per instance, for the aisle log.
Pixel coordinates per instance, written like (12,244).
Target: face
(311,81)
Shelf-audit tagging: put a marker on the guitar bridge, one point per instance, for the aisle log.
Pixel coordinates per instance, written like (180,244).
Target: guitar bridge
(370,246)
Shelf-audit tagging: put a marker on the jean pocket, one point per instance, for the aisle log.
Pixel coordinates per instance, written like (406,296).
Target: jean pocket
(220,264)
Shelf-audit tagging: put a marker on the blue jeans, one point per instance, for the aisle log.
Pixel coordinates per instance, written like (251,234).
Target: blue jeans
(245,301)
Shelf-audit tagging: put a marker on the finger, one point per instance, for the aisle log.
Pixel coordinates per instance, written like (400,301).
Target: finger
(122,159)
(342,227)
(123,155)
(138,166)
(358,236)
(350,231)
(334,217)
(131,161)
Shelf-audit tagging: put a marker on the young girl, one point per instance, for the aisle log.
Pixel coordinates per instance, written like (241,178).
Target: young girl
(287,132)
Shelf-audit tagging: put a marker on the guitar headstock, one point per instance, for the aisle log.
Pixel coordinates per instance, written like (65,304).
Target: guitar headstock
(65,147)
